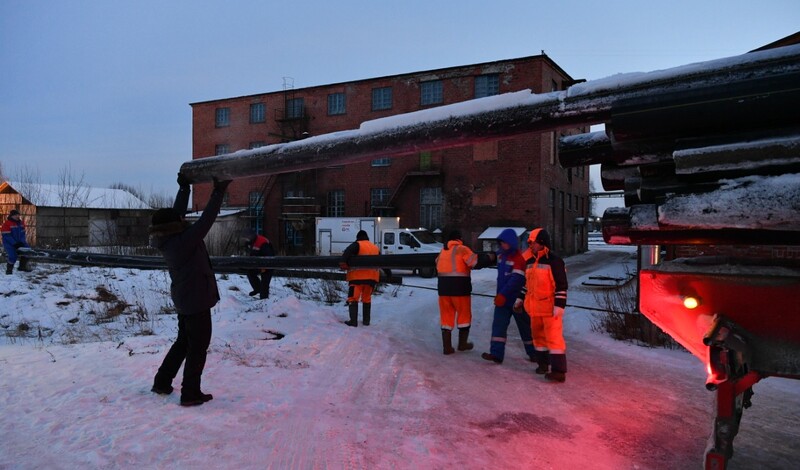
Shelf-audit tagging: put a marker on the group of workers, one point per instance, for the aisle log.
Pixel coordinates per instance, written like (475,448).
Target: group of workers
(531,288)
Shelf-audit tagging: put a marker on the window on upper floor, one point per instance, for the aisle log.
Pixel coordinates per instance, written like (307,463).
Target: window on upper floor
(221,149)
(222,117)
(336,104)
(294,108)
(258,113)
(431,92)
(487,85)
(383,161)
(381,98)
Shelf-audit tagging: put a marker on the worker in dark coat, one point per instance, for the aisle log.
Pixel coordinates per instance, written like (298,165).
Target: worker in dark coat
(510,280)
(362,281)
(259,245)
(194,290)
(13,230)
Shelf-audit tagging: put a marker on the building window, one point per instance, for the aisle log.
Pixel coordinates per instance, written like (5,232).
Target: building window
(487,85)
(336,104)
(222,117)
(294,108)
(553,147)
(561,200)
(430,208)
(383,161)
(336,203)
(380,197)
(569,201)
(257,144)
(553,85)
(381,98)
(425,161)
(431,92)
(551,200)
(257,113)
(221,149)
(255,211)
(294,237)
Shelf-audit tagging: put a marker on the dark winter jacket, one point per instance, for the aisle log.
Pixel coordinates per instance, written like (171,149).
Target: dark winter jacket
(262,247)
(194,287)
(510,268)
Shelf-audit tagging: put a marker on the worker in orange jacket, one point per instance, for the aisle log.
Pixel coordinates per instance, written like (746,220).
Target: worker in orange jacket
(362,281)
(454,264)
(544,297)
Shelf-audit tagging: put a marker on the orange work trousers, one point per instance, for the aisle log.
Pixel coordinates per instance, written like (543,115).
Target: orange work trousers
(359,291)
(548,334)
(452,306)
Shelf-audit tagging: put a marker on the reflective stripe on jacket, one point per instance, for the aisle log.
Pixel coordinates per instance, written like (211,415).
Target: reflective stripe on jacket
(545,284)
(454,265)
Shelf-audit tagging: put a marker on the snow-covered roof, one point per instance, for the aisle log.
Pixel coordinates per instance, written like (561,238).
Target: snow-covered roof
(78,196)
(492,233)
(222,213)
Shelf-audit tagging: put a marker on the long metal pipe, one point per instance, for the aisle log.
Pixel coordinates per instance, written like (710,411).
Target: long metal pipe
(766,72)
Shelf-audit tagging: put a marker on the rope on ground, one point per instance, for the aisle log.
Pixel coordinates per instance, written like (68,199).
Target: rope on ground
(568,305)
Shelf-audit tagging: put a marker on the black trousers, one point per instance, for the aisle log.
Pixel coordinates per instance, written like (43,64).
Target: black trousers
(259,281)
(191,346)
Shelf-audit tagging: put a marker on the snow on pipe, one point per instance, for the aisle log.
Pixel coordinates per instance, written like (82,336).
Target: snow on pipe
(758,210)
(624,99)
(233,263)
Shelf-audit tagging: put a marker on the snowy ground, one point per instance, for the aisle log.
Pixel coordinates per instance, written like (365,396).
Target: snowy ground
(330,396)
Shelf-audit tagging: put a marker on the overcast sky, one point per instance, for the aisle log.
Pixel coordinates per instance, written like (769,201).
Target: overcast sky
(102,88)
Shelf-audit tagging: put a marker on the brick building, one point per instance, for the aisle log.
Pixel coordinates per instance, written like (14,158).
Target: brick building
(511,182)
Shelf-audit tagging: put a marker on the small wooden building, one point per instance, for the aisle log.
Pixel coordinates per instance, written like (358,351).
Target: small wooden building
(63,216)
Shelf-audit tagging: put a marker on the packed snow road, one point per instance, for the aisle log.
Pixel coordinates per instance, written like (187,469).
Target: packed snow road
(377,397)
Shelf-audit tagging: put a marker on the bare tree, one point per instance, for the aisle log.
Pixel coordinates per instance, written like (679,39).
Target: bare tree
(28,182)
(72,188)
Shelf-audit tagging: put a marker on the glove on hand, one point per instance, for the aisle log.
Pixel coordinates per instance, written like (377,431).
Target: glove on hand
(518,306)
(343,266)
(499,300)
(221,185)
(183,181)
(558,312)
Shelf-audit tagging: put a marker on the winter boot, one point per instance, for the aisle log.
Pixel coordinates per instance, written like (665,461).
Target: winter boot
(447,342)
(543,359)
(367,310)
(161,385)
(9,268)
(463,336)
(353,308)
(559,363)
(196,399)
(491,357)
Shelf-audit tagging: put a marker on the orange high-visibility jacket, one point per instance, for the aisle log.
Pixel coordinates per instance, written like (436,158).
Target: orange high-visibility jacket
(454,265)
(364,275)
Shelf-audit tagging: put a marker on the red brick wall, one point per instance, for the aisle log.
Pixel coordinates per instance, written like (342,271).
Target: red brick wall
(512,189)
